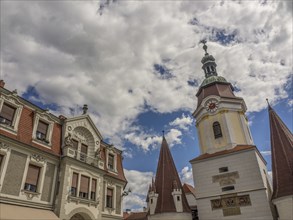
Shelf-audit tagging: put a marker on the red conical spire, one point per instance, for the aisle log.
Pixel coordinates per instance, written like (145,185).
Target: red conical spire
(282,156)
(165,177)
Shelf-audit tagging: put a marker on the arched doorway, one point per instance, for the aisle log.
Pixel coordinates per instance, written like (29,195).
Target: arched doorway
(80,216)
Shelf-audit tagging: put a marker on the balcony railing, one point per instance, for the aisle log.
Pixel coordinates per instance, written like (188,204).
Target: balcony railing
(94,161)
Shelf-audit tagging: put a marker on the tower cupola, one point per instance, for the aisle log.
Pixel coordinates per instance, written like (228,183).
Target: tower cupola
(208,61)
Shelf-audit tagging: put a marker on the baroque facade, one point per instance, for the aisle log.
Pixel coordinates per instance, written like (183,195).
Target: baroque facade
(55,167)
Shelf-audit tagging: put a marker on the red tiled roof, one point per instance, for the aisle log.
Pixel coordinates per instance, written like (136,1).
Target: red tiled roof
(135,216)
(188,189)
(218,88)
(282,156)
(165,176)
(223,152)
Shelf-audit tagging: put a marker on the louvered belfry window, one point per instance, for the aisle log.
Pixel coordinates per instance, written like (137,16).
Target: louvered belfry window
(84,187)
(42,130)
(217,129)
(74,184)
(32,178)
(7,114)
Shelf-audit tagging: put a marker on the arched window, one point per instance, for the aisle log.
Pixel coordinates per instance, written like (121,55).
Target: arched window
(217,129)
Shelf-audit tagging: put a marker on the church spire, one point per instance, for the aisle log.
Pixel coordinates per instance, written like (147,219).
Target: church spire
(282,156)
(208,61)
(166,177)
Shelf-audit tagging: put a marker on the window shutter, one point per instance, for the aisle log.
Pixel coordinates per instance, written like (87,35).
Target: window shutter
(74,180)
(84,184)
(109,192)
(83,149)
(94,185)
(7,112)
(32,175)
(42,127)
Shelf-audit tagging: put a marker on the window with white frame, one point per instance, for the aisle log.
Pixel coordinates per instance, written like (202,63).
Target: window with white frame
(93,189)
(109,198)
(111,161)
(10,110)
(7,114)
(43,129)
(32,178)
(74,184)
(84,187)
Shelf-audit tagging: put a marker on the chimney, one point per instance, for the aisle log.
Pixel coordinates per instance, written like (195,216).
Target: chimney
(2,83)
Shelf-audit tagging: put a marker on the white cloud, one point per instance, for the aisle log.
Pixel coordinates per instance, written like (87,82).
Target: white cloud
(72,55)
(183,123)
(147,141)
(186,176)
(266,153)
(138,182)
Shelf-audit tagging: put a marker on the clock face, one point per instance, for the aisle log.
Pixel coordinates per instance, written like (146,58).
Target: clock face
(212,105)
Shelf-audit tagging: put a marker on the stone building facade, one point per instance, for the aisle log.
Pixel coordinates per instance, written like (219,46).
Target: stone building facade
(55,167)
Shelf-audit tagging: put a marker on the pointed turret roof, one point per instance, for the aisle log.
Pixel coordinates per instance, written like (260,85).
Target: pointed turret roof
(166,176)
(282,156)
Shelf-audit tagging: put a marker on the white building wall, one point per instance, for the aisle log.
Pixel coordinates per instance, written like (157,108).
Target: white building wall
(191,200)
(250,181)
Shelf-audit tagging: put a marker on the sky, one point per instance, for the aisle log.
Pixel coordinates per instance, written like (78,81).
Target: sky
(137,66)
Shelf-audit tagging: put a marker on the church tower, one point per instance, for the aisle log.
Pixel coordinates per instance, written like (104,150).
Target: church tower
(230,174)
(282,166)
(166,198)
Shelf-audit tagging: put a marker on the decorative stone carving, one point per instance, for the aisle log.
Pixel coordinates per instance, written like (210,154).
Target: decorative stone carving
(69,128)
(38,158)
(3,146)
(30,195)
(98,153)
(231,201)
(226,178)
(68,140)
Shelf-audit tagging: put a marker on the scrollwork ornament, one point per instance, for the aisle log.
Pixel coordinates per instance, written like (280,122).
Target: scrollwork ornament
(3,146)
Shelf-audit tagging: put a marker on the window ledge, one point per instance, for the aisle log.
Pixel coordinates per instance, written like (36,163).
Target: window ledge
(78,200)
(43,143)
(29,194)
(8,128)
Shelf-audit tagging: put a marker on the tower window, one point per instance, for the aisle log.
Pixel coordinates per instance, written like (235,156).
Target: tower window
(228,188)
(213,69)
(178,198)
(223,169)
(217,129)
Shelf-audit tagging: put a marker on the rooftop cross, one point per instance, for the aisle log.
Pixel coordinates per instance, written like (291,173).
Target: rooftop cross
(205,47)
